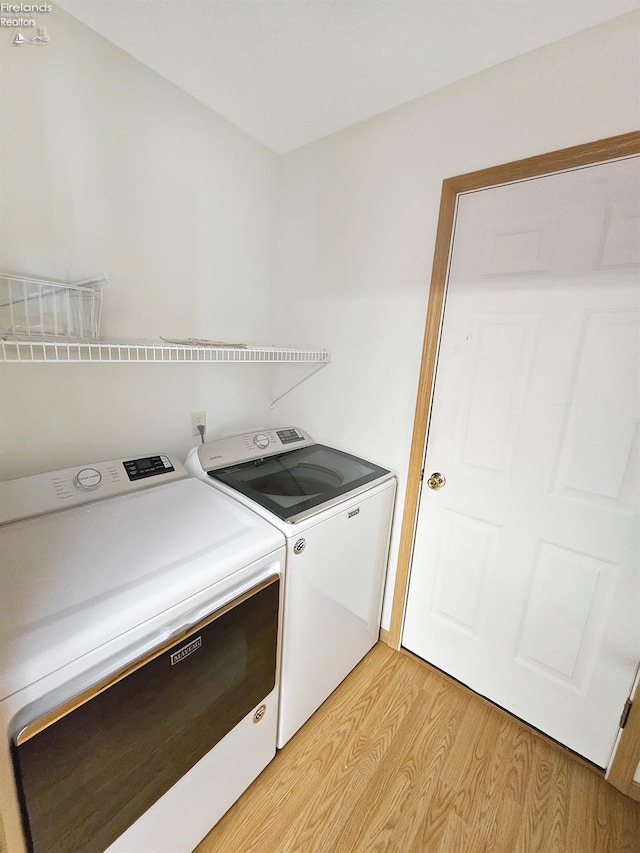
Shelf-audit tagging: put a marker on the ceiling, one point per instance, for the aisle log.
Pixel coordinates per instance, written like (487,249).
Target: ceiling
(291,71)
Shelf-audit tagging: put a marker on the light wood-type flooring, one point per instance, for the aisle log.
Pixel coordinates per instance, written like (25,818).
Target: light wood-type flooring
(401,759)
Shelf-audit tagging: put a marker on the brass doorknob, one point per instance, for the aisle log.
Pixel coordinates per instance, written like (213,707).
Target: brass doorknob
(436,481)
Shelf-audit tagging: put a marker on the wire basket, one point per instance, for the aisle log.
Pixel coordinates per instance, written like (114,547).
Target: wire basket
(43,309)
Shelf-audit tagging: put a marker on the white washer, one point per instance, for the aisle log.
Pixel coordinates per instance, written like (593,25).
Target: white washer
(335,510)
(139,657)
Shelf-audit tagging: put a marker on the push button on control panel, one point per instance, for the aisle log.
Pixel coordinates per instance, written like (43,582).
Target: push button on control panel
(138,469)
(286,436)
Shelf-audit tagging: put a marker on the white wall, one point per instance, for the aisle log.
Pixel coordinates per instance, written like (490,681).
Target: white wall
(108,167)
(358,222)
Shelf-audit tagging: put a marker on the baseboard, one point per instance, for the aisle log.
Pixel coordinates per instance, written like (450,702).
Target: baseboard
(634,791)
(384,636)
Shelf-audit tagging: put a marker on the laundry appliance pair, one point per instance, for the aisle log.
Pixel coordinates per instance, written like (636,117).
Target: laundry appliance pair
(161,633)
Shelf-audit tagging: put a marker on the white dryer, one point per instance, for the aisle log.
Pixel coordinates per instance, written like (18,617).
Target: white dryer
(139,659)
(335,510)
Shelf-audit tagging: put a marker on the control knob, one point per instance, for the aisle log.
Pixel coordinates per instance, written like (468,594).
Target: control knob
(87,479)
(261,440)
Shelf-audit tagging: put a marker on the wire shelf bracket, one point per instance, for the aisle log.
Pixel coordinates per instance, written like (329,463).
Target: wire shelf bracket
(313,370)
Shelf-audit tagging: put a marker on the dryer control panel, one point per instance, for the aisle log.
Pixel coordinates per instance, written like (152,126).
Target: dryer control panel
(251,445)
(149,466)
(83,484)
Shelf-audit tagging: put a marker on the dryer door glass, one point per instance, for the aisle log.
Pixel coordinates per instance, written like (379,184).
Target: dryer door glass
(89,769)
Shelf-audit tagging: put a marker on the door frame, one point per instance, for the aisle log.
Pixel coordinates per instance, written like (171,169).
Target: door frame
(588,154)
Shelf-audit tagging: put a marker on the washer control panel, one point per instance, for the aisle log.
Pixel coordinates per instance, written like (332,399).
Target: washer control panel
(289,436)
(250,445)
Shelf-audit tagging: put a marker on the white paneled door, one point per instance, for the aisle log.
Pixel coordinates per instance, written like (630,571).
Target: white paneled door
(525,579)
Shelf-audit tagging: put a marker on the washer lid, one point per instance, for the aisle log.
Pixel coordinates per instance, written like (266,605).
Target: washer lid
(291,483)
(75,579)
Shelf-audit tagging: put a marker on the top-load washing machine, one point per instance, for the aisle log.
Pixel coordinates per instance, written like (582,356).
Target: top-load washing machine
(335,510)
(139,659)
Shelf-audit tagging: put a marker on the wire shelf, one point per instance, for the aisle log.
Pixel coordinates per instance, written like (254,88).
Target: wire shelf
(39,308)
(75,352)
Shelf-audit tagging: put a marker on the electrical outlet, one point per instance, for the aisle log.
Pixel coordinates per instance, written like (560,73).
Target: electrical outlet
(198,419)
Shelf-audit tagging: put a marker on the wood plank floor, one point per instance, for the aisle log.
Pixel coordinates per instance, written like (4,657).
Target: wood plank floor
(400,759)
